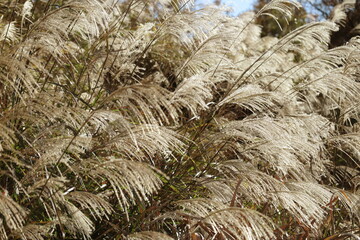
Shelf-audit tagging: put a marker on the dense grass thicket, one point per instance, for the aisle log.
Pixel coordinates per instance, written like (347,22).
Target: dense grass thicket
(146,119)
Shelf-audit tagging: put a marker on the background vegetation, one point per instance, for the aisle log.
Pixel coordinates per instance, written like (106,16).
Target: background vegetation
(347,12)
(146,119)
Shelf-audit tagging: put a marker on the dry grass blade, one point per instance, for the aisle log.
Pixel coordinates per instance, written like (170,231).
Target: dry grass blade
(148,235)
(217,219)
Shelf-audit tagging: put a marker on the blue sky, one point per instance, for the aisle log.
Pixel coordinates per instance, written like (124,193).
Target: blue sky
(238,6)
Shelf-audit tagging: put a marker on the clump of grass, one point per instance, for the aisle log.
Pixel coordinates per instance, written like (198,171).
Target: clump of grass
(150,120)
